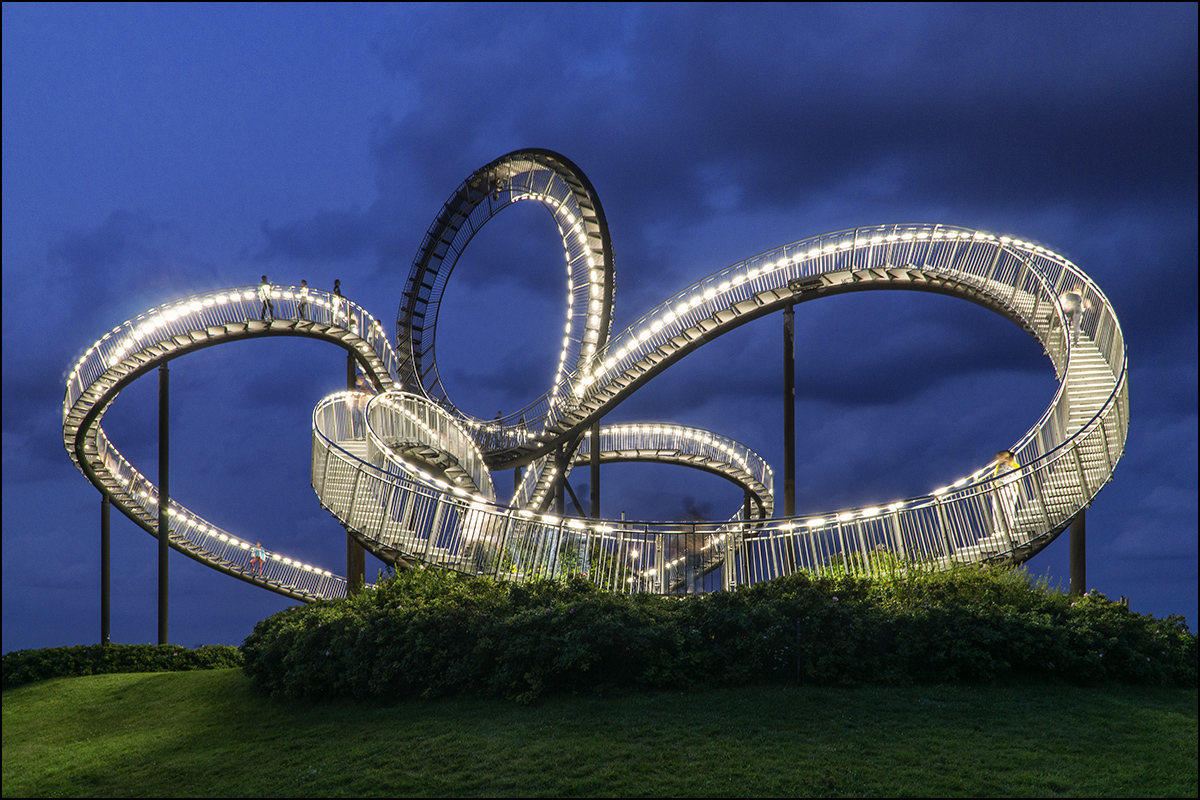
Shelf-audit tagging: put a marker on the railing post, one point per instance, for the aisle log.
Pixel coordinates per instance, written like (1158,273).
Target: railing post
(500,551)
(897,536)
(944,525)
(660,553)
(438,507)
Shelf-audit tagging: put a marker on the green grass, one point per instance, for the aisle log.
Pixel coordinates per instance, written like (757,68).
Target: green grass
(207,734)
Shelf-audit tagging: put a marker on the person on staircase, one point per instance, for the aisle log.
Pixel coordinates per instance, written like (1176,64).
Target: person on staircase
(1006,490)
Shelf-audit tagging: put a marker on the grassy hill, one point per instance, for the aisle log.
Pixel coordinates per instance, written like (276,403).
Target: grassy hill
(208,734)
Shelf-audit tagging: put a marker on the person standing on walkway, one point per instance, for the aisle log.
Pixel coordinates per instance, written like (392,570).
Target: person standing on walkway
(258,558)
(264,294)
(302,301)
(339,304)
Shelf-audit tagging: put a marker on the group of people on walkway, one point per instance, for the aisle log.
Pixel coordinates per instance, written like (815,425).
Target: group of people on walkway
(302,297)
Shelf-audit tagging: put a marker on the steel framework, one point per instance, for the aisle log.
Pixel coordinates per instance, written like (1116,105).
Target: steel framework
(408,473)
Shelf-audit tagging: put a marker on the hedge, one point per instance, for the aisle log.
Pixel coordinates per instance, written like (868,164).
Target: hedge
(27,666)
(432,633)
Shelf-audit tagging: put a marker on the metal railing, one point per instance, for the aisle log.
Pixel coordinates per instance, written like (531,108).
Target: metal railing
(206,315)
(411,477)
(530,175)
(397,506)
(678,444)
(1000,267)
(169,331)
(1064,460)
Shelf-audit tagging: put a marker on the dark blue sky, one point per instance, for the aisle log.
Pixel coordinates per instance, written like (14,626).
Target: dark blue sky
(151,152)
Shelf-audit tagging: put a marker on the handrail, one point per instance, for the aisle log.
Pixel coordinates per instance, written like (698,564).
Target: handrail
(1065,458)
(409,474)
(990,262)
(171,330)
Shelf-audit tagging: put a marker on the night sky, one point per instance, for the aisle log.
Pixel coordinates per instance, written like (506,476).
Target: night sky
(157,151)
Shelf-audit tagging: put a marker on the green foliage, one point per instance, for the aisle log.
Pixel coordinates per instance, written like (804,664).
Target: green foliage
(433,633)
(208,734)
(27,666)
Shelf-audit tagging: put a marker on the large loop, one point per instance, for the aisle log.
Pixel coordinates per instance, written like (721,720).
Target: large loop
(541,176)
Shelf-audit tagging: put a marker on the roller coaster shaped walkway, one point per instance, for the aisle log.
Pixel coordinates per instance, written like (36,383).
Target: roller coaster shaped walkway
(408,474)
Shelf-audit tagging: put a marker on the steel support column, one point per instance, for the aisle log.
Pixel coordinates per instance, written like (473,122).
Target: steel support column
(1079,554)
(595,454)
(789,411)
(356,565)
(560,501)
(356,556)
(164,496)
(105,572)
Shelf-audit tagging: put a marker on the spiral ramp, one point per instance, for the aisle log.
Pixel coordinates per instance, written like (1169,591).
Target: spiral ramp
(407,473)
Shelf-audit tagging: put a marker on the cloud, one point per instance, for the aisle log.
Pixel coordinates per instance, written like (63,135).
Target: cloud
(325,237)
(125,265)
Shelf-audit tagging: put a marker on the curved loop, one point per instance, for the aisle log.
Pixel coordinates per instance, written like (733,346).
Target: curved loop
(686,447)
(374,477)
(992,514)
(419,433)
(541,176)
(138,346)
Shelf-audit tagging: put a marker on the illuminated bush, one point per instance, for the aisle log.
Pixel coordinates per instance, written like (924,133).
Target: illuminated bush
(433,633)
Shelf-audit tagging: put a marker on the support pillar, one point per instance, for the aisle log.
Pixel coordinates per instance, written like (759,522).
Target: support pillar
(164,496)
(789,411)
(560,501)
(1078,554)
(595,453)
(356,556)
(105,573)
(356,565)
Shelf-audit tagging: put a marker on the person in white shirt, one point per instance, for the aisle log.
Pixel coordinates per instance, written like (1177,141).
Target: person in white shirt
(264,294)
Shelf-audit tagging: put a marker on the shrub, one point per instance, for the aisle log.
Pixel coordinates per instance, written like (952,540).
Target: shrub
(432,633)
(27,666)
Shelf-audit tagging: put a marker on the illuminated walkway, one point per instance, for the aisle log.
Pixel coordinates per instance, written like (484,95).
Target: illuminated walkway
(407,473)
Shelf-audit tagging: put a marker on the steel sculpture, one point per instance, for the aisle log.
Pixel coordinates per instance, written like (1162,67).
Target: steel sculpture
(408,473)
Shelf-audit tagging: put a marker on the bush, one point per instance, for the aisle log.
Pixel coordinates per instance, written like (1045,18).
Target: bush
(27,666)
(432,633)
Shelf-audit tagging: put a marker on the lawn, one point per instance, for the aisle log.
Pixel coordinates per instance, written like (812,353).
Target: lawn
(207,734)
